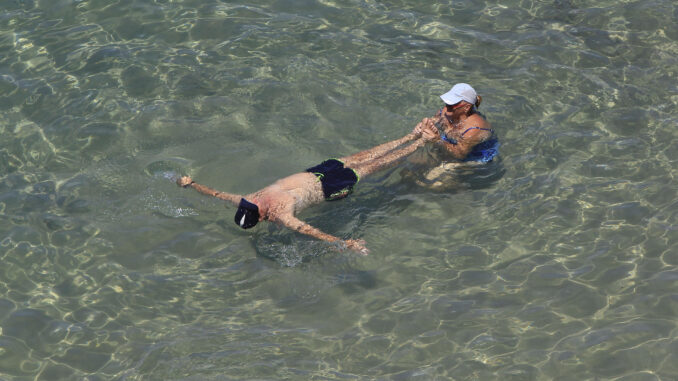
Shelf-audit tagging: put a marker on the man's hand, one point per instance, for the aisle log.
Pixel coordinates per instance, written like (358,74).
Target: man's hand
(357,245)
(184,181)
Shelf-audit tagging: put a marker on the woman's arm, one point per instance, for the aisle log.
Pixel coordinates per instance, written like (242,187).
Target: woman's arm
(459,148)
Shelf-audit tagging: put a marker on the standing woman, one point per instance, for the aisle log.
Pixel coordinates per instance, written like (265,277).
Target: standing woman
(462,131)
(461,139)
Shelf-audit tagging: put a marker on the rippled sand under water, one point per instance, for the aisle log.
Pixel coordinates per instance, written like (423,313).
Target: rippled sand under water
(557,261)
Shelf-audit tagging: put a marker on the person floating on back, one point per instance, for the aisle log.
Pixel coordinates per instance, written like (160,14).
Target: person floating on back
(332,179)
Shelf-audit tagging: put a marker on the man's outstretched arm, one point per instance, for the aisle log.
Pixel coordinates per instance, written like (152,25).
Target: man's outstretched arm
(187,182)
(300,226)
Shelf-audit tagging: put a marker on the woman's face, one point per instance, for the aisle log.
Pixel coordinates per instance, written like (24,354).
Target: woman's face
(453,112)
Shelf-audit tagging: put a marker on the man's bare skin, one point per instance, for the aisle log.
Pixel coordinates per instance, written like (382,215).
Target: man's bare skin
(280,201)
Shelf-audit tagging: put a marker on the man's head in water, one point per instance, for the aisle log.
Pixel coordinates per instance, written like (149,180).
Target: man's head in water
(247,215)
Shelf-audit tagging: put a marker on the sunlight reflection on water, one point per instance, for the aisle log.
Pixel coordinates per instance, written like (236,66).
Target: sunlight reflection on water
(557,260)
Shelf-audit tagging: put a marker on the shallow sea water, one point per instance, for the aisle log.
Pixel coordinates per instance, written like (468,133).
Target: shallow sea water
(558,261)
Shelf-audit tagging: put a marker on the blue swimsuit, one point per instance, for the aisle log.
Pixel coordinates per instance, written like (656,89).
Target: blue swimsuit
(483,152)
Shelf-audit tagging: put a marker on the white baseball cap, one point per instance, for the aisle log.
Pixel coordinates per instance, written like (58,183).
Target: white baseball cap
(460,92)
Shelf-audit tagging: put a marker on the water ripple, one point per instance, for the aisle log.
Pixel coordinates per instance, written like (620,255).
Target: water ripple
(558,260)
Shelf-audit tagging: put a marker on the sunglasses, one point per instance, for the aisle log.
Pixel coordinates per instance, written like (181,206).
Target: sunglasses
(454,106)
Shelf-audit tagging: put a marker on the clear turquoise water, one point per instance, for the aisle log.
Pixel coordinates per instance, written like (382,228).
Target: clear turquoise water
(560,261)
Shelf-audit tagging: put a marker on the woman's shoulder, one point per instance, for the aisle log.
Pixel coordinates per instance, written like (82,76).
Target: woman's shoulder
(476,120)
(476,125)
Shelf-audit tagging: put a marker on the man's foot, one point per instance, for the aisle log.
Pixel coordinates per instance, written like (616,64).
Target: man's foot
(357,245)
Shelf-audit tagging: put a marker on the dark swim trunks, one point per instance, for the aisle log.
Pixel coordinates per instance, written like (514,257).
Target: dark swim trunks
(337,181)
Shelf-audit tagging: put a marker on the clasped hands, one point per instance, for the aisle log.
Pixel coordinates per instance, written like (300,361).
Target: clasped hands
(427,130)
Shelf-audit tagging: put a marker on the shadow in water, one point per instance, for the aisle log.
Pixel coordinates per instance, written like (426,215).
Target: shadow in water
(289,248)
(453,177)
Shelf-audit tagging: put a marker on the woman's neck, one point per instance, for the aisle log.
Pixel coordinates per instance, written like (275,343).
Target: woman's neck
(455,123)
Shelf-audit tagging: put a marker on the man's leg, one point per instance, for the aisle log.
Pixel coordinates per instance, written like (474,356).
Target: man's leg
(380,163)
(376,152)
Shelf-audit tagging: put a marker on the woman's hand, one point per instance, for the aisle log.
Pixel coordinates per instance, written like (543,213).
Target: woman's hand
(418,129)
(429,131)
